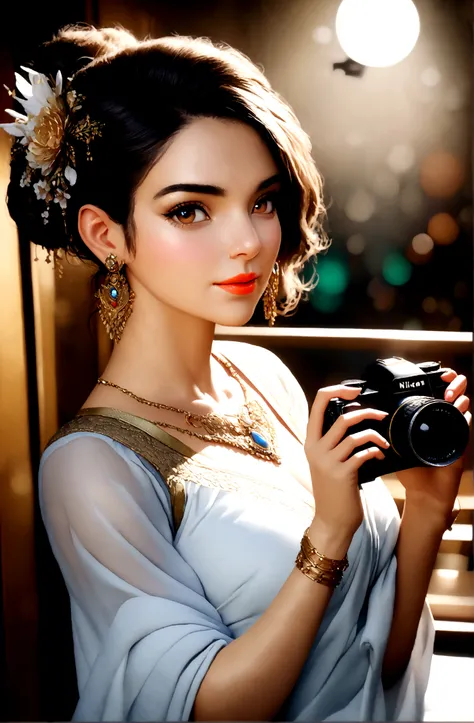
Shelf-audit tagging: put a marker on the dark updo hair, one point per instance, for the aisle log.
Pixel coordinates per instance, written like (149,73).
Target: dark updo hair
(145,92)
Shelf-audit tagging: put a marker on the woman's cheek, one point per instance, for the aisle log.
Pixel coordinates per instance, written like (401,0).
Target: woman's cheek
(269,231)
(175,250)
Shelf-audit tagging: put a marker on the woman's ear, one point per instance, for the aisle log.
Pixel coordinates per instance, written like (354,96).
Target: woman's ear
(100,234)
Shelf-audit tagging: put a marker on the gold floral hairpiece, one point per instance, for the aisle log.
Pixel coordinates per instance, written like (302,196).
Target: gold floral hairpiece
(47,133)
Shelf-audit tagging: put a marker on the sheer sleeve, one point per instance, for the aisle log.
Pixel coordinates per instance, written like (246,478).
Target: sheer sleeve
(144,632)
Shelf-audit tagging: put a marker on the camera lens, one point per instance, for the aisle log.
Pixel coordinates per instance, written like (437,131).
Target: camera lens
(429,430)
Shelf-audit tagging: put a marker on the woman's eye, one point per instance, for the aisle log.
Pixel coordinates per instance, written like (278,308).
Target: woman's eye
(187,214)
(266,205)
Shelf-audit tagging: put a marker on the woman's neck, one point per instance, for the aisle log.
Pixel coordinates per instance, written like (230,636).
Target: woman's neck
(170,359)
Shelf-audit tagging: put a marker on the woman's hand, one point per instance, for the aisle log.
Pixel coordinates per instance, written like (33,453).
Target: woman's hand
(434,489)
(334,469)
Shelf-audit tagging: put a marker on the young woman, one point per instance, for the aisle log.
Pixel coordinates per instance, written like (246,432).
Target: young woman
(192,478)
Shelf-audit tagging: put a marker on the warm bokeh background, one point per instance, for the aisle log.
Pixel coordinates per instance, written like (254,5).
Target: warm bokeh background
(394,146)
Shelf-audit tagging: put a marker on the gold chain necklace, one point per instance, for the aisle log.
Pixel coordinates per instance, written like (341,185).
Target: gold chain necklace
(252,431)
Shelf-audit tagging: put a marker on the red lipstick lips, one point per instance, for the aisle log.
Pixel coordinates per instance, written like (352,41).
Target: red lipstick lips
(240,285)
(239,279)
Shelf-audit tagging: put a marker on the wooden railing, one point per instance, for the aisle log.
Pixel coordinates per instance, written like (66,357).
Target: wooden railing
(348,338)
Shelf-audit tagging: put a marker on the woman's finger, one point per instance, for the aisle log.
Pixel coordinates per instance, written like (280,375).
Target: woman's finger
(455,388)
(350,443)
(339,429)
(462,403)
(359,458)
(321,400)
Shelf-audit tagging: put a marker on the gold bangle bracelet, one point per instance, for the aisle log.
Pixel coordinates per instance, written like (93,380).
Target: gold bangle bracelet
(316,574)
(317,567)
(322,561)
(323,569)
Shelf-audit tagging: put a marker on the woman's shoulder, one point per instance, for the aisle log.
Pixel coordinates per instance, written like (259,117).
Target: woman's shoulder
(86,468)
(257,360)
(78,453)
(269,373)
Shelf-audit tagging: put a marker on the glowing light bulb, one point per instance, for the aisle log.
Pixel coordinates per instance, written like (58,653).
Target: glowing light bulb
(377,33)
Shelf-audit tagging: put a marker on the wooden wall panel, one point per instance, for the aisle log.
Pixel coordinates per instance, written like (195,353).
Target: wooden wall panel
(19,592)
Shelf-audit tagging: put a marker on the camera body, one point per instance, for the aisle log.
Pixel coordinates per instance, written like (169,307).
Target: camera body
(422,428)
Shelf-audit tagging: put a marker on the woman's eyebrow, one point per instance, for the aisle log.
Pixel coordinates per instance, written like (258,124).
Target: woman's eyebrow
(211,190)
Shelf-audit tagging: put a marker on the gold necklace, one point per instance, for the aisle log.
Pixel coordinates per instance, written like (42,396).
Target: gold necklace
(252,431)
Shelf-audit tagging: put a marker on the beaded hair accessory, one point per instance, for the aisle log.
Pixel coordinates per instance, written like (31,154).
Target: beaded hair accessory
(47,134)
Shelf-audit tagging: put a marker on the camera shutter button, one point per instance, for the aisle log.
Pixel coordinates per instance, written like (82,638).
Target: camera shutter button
(429,366)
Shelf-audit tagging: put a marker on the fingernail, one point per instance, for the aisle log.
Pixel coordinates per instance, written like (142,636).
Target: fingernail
(449,395)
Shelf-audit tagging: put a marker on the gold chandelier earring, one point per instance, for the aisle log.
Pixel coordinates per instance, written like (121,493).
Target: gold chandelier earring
(270,295)
(115,299)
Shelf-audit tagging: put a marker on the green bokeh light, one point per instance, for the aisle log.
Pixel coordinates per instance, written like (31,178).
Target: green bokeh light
(333,276)
(325,303)
(396,269)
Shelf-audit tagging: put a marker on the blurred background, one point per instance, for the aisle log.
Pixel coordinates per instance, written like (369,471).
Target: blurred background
(389,113)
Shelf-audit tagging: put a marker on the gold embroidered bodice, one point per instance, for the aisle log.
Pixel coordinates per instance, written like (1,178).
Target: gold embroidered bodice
(175,462)
(178,464)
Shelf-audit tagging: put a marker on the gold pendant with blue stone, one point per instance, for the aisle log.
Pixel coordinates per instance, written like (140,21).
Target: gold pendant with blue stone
(261,433)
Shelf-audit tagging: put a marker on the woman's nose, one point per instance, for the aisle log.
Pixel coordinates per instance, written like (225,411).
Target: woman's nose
(243,239)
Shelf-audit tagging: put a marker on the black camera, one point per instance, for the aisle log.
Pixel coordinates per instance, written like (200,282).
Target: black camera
(422,428)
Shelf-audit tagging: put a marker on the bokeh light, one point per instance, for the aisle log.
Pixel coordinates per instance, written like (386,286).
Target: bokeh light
(360,206)
(396,270)
(441,175)
(401,158)
(375,286)
(326,303)
(422,244)
(377,33)
(429,305)
(333,276)
(461,290)
(354,139)
(455,324)
(465,217)
(385,184)
(322,35)
(445,307)
(383,296)
(420,251)
(431,77)
(443,229)
(413,324)
(356,244)
(385,300)
(333,279)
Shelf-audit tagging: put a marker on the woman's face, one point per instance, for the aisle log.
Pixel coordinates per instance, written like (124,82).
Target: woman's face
(204,214)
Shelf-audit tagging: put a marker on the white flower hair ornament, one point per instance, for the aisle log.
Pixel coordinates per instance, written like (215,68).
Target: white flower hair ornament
(46,134)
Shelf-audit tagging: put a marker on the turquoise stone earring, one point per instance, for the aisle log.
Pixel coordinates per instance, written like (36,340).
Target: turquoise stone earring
(115,299)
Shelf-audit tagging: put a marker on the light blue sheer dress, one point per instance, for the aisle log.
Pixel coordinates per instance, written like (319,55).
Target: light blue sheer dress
(167,560)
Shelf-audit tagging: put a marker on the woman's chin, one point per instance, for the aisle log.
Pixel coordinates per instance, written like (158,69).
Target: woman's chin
(236,318)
